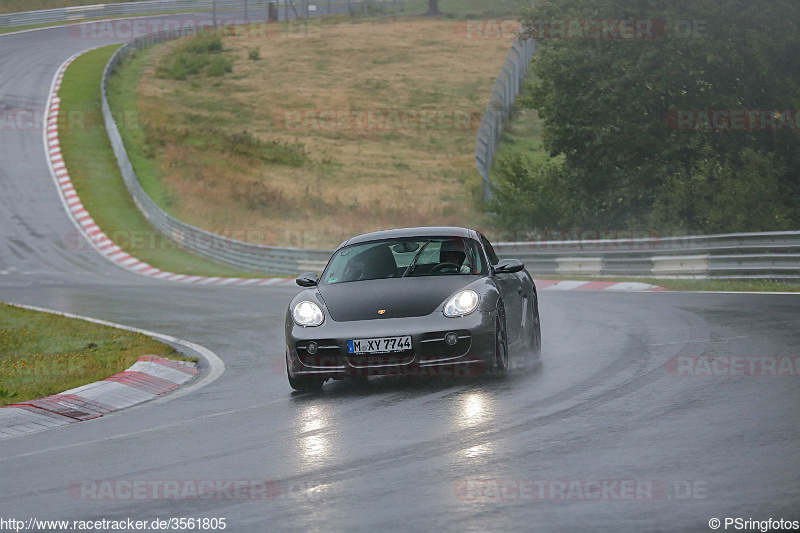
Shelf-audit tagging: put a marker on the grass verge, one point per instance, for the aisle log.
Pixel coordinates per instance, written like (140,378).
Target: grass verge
(16,6)
(719,285)
(696,285)
(43,354)
(94,172)
(522,136)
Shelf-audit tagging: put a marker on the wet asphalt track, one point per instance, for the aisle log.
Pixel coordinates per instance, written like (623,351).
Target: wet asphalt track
(399,454)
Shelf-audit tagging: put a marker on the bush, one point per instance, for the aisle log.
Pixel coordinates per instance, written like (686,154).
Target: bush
(219,66)
(531,195)
(183,65)
(203,44)
(738,193)
(194,55)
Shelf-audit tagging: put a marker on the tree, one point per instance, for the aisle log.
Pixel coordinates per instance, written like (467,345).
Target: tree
(614,110)
(433,7)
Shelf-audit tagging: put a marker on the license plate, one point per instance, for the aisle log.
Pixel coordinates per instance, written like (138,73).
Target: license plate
(379,345)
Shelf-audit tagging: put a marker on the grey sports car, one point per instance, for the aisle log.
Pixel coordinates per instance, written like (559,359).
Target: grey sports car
(431,301)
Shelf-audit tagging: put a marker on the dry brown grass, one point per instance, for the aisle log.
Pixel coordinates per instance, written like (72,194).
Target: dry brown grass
(354,179)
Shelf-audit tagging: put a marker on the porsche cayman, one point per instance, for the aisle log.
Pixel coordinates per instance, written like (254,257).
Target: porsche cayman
(417,301)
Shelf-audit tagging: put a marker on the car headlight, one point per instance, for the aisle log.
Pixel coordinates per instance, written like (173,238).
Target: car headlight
(463,303)
(307,314)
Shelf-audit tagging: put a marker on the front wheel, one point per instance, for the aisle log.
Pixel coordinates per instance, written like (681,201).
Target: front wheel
(303,384)
(500,346)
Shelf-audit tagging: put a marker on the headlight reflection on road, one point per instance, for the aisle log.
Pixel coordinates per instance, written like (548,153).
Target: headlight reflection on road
(474,408)
(311,419)
(315,447)
(477,451)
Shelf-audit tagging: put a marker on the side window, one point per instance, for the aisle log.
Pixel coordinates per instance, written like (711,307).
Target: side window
(493,259)
(475,256)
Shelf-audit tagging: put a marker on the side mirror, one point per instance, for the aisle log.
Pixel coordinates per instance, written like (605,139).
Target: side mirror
(309,279)
(508,266)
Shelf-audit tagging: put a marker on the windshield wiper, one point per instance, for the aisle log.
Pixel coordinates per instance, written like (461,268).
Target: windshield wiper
(413,263)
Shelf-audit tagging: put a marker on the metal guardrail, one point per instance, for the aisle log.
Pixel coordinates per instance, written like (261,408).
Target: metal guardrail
(286,9)
(498,111)
(771,255)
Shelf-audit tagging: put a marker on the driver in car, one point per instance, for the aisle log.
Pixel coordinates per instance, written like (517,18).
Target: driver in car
(451,258)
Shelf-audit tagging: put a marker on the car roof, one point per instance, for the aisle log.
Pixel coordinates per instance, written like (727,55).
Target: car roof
(426,231)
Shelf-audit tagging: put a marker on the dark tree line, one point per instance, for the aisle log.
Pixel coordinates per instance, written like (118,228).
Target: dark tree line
(679,115)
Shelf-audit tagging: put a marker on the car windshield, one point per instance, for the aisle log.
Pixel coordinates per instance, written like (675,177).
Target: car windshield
(410,257)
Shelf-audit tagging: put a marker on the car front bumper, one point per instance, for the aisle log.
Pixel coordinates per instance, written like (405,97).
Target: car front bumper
(472,354)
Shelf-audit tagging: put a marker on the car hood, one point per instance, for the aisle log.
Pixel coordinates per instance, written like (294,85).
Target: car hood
(399,297)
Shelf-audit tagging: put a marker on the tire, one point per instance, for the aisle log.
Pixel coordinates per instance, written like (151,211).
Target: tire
(303,384)
(500,344)
(536,337)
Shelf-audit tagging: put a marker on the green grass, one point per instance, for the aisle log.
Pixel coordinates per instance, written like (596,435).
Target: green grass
(97,179)
(523,136)
(16,6)
(192,56)
(694,285)
(43,354)
(725,285)
(12,29)
(122,100)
